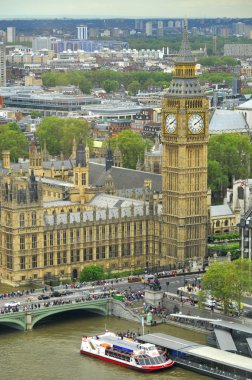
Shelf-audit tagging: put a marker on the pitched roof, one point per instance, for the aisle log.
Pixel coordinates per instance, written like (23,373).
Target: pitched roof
(221,210)
(123,178)
(247,105)
(228,121)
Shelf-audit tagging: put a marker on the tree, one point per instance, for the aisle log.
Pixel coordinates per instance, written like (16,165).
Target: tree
(132,146)
(110,85)
(134,87)
(92,273)
(228,281)
(35,114)
(218,61)
(229,154)
(85,85)
(13,139)
(58,133)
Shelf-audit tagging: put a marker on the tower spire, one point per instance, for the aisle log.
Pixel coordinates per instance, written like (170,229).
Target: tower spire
(185,54)
(109,158)
(80,156)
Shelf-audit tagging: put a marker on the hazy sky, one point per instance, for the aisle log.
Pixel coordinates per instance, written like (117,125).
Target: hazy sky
(125,8)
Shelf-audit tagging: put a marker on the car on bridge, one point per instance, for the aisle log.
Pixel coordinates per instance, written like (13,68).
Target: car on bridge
(56,293)
(67,292)
(11,304)
(43,297)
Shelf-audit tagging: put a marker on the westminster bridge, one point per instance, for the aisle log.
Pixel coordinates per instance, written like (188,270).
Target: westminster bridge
(27,319)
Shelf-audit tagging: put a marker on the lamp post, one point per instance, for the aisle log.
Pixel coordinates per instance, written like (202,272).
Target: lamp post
(167,284)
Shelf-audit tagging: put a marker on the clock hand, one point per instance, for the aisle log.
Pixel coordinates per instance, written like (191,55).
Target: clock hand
(197,122)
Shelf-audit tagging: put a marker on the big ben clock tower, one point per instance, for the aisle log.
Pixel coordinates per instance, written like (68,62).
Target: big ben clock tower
(184,172)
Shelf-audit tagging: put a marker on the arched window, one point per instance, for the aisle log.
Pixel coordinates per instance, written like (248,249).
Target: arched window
(218,223)
(156,167)
(21,220)
(226,222)
(34,219)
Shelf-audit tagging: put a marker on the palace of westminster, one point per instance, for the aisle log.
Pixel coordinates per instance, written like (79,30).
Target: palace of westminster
(59,216)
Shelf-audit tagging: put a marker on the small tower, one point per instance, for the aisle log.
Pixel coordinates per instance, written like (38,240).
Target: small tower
(74,149)
(139,164)
(35,157)
(109,186)
(80,171)
(45,153)
(109,158)
(118,157)
(6,159)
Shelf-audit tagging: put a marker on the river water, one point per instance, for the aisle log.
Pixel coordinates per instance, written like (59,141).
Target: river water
(51,350)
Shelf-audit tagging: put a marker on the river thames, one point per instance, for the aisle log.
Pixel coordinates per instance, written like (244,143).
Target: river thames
(51,350)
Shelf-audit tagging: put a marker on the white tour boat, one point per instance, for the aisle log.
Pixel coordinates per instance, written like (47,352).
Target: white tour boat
(112,348)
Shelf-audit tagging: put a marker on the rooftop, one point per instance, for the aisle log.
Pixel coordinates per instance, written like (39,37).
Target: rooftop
(228,121)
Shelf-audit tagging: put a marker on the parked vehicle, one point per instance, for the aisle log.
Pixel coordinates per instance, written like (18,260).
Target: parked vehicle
(148,278)
(67,292)
(209,302)
(247,314)
(11,304)
(134,279)
(43,297)
(55,293)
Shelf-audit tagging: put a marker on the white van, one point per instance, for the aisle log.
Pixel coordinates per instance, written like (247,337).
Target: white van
(148,278)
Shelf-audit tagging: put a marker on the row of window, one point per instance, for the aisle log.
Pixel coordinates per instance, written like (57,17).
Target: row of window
(76,256)
(51,239)
(91,234)
(22,219)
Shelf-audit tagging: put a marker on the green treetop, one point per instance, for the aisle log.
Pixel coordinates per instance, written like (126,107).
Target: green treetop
(59,133)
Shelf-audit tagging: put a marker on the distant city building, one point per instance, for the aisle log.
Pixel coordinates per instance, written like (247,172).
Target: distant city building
(11,34)
(88,45)
(238,50)
(160,28)
(139,25)
(148,28)
(49,104)
(93,32)
(39,43)
(240,28)
(2,65)
(82,32)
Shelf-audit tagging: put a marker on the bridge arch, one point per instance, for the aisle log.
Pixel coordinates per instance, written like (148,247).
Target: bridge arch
(53,310)
(14,321)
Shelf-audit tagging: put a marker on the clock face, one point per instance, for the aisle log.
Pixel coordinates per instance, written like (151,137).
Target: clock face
(195,123)
(170,123)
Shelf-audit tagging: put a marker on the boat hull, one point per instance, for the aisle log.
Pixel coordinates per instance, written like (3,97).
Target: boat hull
(145,369)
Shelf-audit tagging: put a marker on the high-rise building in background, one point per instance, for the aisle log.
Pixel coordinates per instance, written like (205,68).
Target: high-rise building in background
(160,28)
(214,45)
(11,34)
(82,32)
(39,43)
(148,28)
(2,65)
